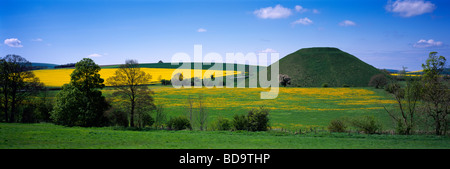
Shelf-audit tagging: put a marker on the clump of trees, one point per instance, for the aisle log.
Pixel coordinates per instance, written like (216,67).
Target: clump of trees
(17,84)
(81,103)
(425,100)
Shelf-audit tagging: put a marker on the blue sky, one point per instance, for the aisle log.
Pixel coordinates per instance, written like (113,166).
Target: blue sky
(383,33)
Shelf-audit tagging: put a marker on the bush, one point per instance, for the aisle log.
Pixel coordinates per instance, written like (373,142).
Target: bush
(145,120)
(392,87)
(367,124)
(325,85)
(337,125)
(28,113)
(221,124)
(240,122)
(166,82)
(258,119)
(179,123)
(117,117)
(401,128)
(345,85)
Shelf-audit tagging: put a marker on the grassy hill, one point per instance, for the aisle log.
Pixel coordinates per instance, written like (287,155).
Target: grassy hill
(43,65)
(170,66)
(311,67)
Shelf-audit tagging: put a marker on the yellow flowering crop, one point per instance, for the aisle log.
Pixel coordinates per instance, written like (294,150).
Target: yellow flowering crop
(59,77)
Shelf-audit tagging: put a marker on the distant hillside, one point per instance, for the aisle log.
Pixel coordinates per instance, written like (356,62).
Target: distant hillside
(43,65)
(170,66)
(446,71)
(311,67)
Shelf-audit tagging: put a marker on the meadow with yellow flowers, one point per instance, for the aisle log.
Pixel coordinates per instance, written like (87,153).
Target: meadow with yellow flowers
(295,116)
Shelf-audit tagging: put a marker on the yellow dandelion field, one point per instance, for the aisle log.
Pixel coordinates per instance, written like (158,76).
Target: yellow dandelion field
(59,77)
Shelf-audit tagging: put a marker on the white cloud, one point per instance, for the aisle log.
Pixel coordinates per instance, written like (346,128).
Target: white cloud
(427,43)
(201,30)
(94,55)
(268,50)
(303,21)
(37,40)
(316,11)
(299,8)
(13,42)
(409,8)
(273,13)
(347,23)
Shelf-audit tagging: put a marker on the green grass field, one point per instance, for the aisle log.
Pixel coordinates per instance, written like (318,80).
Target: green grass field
(294,109)
(49,136)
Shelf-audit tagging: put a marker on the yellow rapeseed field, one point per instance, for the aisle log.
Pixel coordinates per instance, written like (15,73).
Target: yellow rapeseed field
(59,77)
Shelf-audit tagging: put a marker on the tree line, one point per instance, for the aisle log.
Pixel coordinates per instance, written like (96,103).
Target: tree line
(81,102)
(422,100)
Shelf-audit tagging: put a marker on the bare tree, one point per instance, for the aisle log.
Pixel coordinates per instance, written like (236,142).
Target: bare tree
(407,99)
(197,112)
(130,83)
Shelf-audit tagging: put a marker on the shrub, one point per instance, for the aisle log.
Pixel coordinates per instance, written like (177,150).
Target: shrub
(367,124)
(392,87)
(118,117)
(146,120)
(345,85)
(179,123)
(221,124)
(28,113)
(258,119)
(240,122)
(325,85)
(337,125)
(401,128)
(165,82)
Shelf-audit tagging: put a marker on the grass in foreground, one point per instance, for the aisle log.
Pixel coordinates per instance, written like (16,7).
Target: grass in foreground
(49,136)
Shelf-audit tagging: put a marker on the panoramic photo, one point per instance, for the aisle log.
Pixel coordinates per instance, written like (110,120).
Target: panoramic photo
(198,74)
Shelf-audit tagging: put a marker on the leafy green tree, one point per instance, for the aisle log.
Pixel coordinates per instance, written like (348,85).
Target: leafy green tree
(80,103)
(436,93)
(433,67)
(130,82)
(17,83)
(86,76)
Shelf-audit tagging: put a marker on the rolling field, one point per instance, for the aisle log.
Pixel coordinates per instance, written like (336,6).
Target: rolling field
(50,136)
(295,108)
(59,77)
